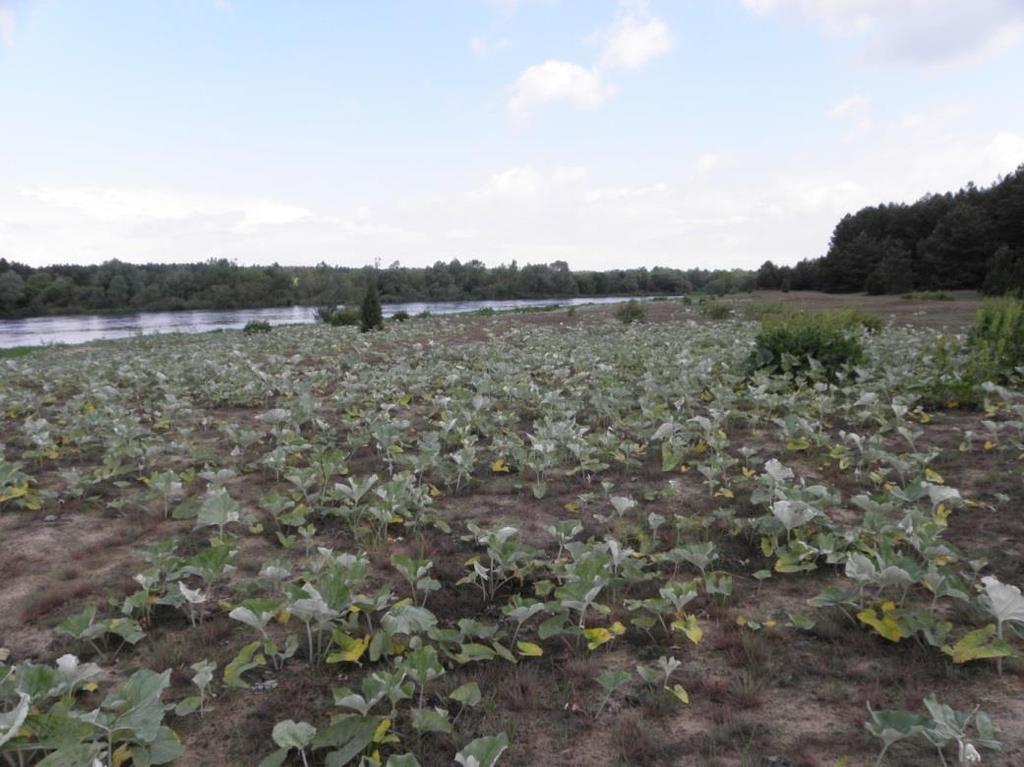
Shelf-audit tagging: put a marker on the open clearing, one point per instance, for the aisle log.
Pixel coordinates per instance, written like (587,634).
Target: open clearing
(530,503)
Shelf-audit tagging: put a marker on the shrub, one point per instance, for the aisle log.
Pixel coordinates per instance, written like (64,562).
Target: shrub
(631,311)
(997,338)
(330,315)
(253,327)
(786,344)
(371,317)
(571,312)
(715,310)
(400,316)
(858,317)
(927,295)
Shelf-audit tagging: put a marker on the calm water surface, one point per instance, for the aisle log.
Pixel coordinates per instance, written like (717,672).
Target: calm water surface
(79,328)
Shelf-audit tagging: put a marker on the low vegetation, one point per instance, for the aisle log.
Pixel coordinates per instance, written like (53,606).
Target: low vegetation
(630,311)
(928,295)
(515,540)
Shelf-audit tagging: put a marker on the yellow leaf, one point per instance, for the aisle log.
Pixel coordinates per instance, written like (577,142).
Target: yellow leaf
(691,628)
(748,472)
(90,687)
(382,730)
(617,628)
(886,626)
(933,476)
(724,493)
(122,755)
(434,492)
(989,444)
(350,650)
(596,637)
(283,616)
(498,466)
(680,692)
(573,506)
(529,649)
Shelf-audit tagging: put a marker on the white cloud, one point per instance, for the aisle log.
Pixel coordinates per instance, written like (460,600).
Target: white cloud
(116,205)
(631,43)
(855,112)
(527,182)
(1006,151)
(558,81)
(712,161)
(7,25)
(633,40)
(918,31)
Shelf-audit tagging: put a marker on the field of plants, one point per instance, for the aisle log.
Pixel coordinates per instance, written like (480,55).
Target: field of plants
(541,539)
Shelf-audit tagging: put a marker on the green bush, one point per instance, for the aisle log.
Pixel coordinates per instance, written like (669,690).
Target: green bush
(337,317)
(631,311)
(252,327)
(787,343)
(715,310)
(858,317)
(997,338)
(371,317)
(400,316)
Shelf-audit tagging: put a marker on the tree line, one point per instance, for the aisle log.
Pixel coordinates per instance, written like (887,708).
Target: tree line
(972,239)
(116,286)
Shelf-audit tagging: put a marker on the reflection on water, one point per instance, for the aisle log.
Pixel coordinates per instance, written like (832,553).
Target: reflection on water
(75,329)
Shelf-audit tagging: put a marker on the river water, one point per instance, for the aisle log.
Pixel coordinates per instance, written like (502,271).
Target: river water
(79,328)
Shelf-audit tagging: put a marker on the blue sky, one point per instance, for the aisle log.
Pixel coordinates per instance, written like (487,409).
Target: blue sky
(715,133)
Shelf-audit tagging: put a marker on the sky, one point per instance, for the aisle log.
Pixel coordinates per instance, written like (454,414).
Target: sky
(605,133)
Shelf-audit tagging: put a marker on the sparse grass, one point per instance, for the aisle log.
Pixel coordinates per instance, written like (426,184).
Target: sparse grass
(927,295)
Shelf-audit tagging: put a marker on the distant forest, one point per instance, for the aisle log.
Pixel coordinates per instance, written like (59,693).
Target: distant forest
(116,286)
(970,240)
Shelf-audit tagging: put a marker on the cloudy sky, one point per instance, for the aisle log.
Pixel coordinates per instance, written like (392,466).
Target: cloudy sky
(607,133)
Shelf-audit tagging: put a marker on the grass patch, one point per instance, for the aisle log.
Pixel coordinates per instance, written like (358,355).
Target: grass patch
(17,351)
(927,295)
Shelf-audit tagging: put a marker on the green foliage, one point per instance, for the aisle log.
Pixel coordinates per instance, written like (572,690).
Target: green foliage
(253,327)
(631,311)
(220,284)
(400,316)
(927,295)
(997,338)
(17,351)
(370,314)
(715,310)
(337,316)
(761,310)
(788,344)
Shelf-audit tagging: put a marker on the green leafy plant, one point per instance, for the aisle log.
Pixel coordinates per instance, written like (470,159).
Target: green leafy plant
(821,344)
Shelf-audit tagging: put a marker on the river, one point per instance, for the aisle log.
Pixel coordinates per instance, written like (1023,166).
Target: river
(79,328)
